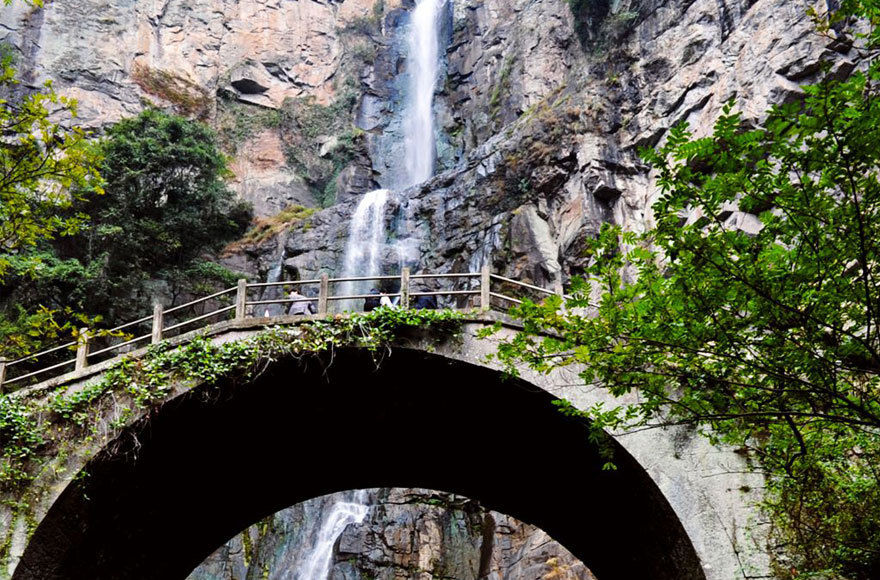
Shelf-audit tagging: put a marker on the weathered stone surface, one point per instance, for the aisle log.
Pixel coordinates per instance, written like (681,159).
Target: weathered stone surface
(260,176)
(710,488)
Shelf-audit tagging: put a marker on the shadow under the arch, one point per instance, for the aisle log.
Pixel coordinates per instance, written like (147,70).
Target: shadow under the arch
(211,462)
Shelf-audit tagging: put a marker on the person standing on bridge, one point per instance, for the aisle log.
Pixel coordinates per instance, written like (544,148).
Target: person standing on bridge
(423,302)
(301,306)
(386,301)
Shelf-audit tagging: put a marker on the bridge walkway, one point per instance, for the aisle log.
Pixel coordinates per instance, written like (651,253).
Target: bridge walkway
(248,304)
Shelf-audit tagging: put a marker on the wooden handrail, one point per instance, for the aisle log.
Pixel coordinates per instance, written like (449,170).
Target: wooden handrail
(41,353)
(363,279)
(200,300)
(447,275)
(284,283)
(159,317)
(523,284)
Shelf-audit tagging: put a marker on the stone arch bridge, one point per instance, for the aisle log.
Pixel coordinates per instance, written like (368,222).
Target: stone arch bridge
(153,498)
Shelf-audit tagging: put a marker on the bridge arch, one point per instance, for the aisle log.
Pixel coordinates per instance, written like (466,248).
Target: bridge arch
(212,461)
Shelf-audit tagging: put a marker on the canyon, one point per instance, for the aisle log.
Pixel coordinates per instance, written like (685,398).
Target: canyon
(536,121)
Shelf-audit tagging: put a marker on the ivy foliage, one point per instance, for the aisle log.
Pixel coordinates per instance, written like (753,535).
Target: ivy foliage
(752,310)
(29,429)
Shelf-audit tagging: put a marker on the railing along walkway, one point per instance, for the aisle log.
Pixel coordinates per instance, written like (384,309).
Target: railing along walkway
(235,302)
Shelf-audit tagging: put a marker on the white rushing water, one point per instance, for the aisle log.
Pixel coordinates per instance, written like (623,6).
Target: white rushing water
(366,239)
(363,252)
(317,563)
(423,64)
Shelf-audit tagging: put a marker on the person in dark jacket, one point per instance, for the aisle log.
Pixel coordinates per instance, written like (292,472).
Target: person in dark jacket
(425,303)
(373,301)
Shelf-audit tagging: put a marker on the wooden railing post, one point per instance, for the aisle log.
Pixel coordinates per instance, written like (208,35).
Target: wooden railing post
(82,350)
(2,372)
(404,288)
(158,322)
(485,279)
(323,293)
(241,300)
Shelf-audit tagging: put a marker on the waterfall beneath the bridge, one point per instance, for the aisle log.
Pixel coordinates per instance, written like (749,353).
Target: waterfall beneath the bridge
(367,239)
(316,564)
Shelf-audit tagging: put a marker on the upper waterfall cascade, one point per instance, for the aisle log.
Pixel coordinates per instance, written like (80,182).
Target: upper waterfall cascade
(423,62)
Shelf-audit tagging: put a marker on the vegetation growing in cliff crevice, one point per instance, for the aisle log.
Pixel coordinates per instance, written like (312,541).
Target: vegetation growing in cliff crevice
(187,97)
(320,140)
(547,133)
(237,122)
(502,87)
(264,228)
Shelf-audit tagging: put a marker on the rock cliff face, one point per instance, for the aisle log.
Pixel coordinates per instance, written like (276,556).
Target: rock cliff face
(546,128)
(539,123)
(408,533)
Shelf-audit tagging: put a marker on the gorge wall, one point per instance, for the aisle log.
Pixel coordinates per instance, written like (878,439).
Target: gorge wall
(540,122)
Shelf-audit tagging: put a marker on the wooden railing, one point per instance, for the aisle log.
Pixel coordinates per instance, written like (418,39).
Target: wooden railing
(468,291)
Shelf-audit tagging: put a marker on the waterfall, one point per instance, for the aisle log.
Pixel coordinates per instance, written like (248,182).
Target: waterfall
(366,239)
(423,64)
(316,564)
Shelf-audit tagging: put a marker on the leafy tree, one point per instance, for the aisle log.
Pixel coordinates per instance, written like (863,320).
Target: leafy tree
(166,207)
(46,166)
(752,310)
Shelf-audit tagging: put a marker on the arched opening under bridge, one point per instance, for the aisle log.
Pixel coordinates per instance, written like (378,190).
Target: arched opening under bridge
(208,463)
